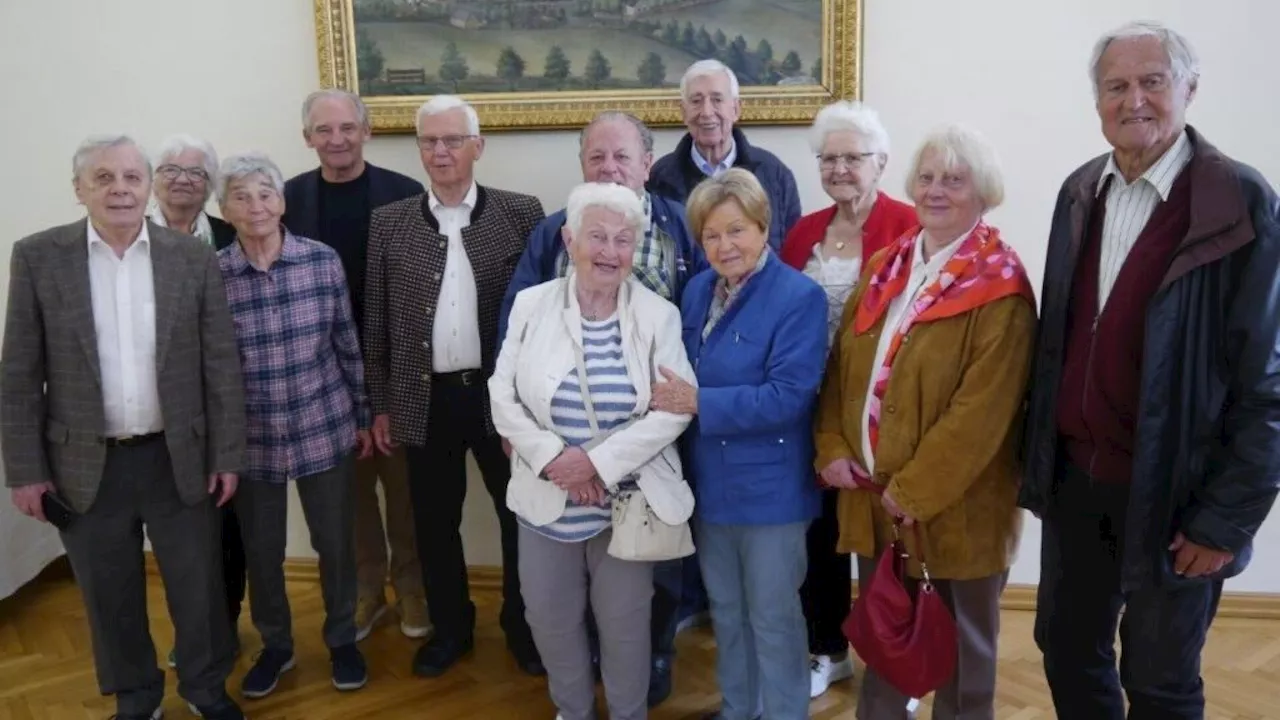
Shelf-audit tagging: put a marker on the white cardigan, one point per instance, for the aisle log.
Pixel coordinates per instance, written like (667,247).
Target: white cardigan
(538,353)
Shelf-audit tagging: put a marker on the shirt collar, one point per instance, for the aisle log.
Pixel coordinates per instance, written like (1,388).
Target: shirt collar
(291,252)
(468,202)
(1161,174)
(940,258)
(705,165)
(143,240)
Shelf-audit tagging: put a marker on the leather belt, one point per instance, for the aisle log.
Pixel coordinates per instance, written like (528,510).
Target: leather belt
(461,378)
(133,440)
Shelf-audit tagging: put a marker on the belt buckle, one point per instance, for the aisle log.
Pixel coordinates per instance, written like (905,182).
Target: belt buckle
(466,377)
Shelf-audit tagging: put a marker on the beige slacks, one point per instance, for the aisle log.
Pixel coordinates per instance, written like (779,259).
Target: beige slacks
(372,539)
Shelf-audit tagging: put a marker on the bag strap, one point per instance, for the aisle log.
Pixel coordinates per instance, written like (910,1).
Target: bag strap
(865,483)
(586,390)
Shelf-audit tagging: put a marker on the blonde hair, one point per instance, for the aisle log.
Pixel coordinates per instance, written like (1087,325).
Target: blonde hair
(733,185)
(956,146)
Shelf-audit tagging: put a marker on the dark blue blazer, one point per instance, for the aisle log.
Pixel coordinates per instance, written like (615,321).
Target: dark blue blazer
(749,451)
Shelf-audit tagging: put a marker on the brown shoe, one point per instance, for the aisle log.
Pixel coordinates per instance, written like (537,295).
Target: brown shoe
(368,611)
(415,622)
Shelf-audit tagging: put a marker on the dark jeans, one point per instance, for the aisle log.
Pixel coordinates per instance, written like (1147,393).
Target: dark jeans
(438,486)
(828,587)
(1079,601)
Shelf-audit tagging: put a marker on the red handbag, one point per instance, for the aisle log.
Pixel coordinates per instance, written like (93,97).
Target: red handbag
(908,638)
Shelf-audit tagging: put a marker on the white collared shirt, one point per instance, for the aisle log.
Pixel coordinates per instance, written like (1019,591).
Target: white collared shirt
(455,333)
(123,293)
(1130,206)
(713,170)
(923,274)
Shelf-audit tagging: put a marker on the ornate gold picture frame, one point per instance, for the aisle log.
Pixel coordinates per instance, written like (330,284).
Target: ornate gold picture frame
(553,64)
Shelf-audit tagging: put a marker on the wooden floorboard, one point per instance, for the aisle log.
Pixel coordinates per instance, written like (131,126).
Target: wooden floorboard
(46,669)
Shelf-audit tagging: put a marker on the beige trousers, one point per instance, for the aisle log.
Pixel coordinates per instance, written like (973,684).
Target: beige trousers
(371,539)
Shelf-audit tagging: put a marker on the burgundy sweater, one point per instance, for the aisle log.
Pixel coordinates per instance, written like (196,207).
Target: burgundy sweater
(1101,374)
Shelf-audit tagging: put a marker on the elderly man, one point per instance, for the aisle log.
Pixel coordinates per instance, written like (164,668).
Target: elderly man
(121,400)
(438,266)
(710,103)
(332,204)
(185,172)
(616,147)
(1155,417)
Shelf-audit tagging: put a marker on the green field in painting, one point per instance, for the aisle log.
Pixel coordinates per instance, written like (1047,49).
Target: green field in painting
(789,25)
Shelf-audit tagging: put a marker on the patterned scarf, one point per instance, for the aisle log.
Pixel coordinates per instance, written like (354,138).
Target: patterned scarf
(725,294)
(982,270)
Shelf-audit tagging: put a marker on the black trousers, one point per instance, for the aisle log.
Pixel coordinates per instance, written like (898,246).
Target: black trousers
(234,577)
(828,588)
(438,486)
(1162,631)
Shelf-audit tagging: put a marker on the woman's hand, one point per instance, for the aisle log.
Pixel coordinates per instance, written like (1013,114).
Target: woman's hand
(572,470)
(892,508)
(839,474)
(675,395)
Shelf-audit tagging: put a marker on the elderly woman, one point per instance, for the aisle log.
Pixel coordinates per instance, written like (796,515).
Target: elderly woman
(571,393)
(831,247)
(306,409)
(933,357)
(185,172)
(757,331)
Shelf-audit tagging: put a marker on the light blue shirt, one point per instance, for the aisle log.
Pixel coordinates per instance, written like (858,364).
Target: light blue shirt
(705,165)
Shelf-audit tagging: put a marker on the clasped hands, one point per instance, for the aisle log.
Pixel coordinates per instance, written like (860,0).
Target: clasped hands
(573,472)
(839,474)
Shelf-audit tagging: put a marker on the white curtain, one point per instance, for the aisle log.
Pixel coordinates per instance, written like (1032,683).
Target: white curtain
(26,547)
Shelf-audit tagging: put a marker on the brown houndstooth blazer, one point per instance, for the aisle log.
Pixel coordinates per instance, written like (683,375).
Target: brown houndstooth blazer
(402,285)
(51,414)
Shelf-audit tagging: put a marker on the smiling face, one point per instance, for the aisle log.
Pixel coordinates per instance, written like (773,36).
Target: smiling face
(182,183)
(1142,106)
(449,151)
(613,152)
(732,241)
(602,250)
(335,132)
(253,206)
(947,199)
(710,110)
(850,170)
(113,186)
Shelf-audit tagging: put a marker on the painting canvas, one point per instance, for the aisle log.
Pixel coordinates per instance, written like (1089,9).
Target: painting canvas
(555,63)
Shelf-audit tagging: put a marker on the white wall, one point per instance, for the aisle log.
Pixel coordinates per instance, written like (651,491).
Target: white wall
(235,72)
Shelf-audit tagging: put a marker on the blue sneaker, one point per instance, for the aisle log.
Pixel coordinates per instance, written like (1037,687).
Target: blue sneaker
(349,670)
(266,672)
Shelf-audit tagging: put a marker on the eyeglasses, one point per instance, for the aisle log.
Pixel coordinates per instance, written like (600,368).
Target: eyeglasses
(453,142)
(854,161)
(173,172)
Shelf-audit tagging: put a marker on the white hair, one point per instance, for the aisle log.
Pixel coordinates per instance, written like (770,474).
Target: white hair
(238,167)
(618,198)
(703,68)
(444,103)
(94,144)
(959,146)
(849,115)
(1183,61)
(362,112)
(175,145)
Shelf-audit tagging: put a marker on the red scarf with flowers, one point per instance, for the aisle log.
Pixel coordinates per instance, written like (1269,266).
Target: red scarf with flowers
(982,270)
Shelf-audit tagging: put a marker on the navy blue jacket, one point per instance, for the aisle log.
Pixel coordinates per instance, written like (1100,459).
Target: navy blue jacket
(538,264)
(749,451)
(675,176)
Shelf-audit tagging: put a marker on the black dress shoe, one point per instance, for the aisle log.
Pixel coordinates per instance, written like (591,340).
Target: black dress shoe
(659,682)
(435,657)
(224,709)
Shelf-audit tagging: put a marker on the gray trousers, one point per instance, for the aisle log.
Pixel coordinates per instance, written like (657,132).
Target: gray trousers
(971,694)
(263,509)
(557,580)
(104,546)
(753,575)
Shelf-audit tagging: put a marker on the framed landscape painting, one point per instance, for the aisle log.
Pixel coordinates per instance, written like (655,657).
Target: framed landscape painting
(548,64)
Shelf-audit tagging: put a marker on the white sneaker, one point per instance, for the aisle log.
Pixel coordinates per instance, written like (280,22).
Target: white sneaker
(823,671)
(912,706)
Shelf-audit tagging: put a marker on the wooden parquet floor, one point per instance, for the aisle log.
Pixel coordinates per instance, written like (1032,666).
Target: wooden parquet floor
(46,669)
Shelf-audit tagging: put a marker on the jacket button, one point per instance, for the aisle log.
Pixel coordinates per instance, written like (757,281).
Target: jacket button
(437,276)
(723,443)
(443,244)
(426,377)
(890,409)
(906,339)
(781,441)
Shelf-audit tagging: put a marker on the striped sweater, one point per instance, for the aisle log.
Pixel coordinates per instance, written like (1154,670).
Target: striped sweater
(614,398)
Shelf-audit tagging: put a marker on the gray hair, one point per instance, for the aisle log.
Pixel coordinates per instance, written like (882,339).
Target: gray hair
(1183,61)
(175,145)
(703,68)
(444,103)
(646,135)
(362,112)
(617,198)
(961,146)
(239,167)
(849,115)
(94,144)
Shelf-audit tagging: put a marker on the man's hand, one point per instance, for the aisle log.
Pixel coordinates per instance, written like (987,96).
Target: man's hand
(223,486)
(27,499)
(506,448)
(382,434)
(571,470)
(892,508)
(1192,560)
(364,445)
(839,474)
